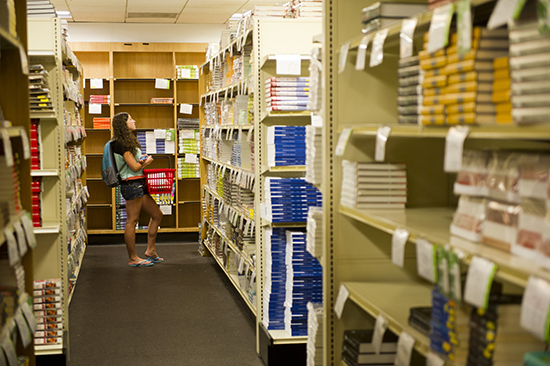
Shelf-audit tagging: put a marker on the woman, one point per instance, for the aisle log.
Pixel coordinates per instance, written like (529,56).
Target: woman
(130,164)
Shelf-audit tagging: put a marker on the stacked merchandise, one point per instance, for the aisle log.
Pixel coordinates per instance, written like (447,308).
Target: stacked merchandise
(382,14)
(40,8)
(162,100)
(458,86)
(236,151)
(8,18)
(358,348)
(35,147)
(188,144)
(36,188)
(409,98)
(120,212)
(373,185)
(306,9)
(314,334)
(159,141)
(269,11)
(187,72)
(286,93)
(211,113)
(100,99)
(529,61)
(40,97)
(226,112)
(164,199)
(188,123)
(304,283)
(48,311)
(252,151)
(420,319)
(286,145)
(501,90)
(245,198)
(241,113)
(102,123)
(289,199)
(275,279)
(314,240)
(211,50)
(314,156)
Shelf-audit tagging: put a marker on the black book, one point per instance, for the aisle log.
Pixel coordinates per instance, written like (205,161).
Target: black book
(357,359)
(360,340)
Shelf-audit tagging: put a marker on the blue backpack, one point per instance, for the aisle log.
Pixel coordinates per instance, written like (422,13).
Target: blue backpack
(109,171)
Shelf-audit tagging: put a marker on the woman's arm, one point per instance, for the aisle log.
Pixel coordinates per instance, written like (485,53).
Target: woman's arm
(131,161)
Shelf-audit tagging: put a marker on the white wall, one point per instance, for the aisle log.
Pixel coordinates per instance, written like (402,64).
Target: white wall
(134,32)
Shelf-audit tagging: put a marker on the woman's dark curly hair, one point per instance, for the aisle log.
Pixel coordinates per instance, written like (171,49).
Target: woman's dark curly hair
(123,134)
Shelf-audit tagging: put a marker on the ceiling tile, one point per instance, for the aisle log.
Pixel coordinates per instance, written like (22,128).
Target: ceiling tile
(206,18)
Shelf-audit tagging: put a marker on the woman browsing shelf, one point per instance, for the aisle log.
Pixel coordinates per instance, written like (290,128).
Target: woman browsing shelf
(130,164)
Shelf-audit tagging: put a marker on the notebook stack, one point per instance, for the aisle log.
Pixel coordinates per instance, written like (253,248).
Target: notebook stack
(502,91)
(100,99)
(373,185)
(286,145)
(102,123)
(359,350)
(409,99)
(433,81)
(529,61)
(40,97)
(48,311)
(289,199)
(314,156)
(275,279)
(314,242)
(287,93)
(315,334)
(304,283)
(383,14)
(187,72)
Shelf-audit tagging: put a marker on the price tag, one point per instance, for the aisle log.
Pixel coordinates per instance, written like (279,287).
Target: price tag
(13,253)
(455,278)
(94,108)
(380,328)
(343,141)
(241,264)
(288,64)
(24,331)
(316,120)
(21,239)
(433,359)
(96,83)
(186,108)
(381,138)
(9,350)
(478,282)
(343,57)
(464,21)
(8,152)
(377,52)
(454,146)
(362,52)
(406,37)
(398,241)
(426,260)
(25,144)
(405,346)
(504,11)
(343,295)
(191,158)
(29,315)
(535,308)
(439,27)
(443,270)
(162,83)
(166,209)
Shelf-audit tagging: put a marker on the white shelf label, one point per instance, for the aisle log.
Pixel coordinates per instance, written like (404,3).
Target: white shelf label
(21,239)
(343,295)
(504,11)
(377,52)
(535,308)
(405,346)
(8,153)
(96,83)
(166,209)
(454,146)
(192,158)
(433,359)
(94,108)
(29,229)
(186,108)
(13,253)
(406,37)
(24,330)
(398,241)
(159,134)
(380,328)
(439,27)
(381,138)
(29,315)
(343,57)
(426,260)
(343,141)
(478,282)
(288,64)
(162,83)
(464,20)
(362,52)
(316,120)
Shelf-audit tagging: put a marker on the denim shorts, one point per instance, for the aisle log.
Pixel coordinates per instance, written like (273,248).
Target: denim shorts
(133,189)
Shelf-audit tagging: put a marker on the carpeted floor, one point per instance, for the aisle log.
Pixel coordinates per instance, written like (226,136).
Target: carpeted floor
(180,312)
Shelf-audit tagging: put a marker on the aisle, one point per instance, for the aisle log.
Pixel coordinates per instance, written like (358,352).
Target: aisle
(180,312)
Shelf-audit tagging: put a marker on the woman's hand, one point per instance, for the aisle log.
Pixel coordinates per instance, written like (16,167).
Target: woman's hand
(147,161)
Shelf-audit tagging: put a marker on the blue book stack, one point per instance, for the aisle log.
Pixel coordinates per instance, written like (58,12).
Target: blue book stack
(289,199)
(304,283)
(161,146)
(275,279)
(286,145)
(143,141)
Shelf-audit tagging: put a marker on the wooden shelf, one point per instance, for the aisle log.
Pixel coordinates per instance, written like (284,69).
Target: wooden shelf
(295,118)
(273,58)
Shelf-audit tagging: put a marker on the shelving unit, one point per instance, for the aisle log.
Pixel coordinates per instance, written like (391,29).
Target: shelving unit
(62,234)
(357,251)
(129,73)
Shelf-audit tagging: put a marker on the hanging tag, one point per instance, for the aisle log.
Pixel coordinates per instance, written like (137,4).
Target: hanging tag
(9,350)
(162,83)
(478,282)
(443,271)
(535,308)
(343,57)
(464,25)
(426,260)
(398,241)
(13,253)
(24,331)
(96,83)
(343,295)
(29,229)
(316,120)
(439,27)
(21,239)
(454,146)
(8,152)
(343,141)
(505,11)
(29,315)
(433,359)
(362,52)
(455,277)
(405,345)
(381,138)
(25,144)
(380,328)
(377,52)
(23,58)
(408,27)
(288,64)
(186,108)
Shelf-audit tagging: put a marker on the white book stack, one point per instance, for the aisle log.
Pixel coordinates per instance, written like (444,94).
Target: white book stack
(315,334)
(314,157)
(373,185)
(269,11)
(308,8)
(314,239)
(40,8)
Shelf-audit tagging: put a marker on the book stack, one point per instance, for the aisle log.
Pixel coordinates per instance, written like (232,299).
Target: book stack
(40,8)
(314,157)
(306,8)
(289,199)
(286,145)
(314,240)
(162,100)
(529,61)
(304,283)
(187,72)
(100,99)
(40,96)
(409,99)
(314,334)
(8,18)
(188,166)
(269,11)
(34,142)
(420,318)
(159,141)
(358,349)
(48,311)
(433,81)
(382,14)
(186,123)
(501,90)
(236,152)
(275,279)
(189,141)
(245,198)
(373,185)
(287,93)
(102,123)
(36,189)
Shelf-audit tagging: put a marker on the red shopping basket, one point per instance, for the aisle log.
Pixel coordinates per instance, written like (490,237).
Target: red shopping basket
(160,180)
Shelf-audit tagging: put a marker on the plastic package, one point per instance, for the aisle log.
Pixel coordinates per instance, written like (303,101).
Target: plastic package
(501,225)
(533,176)
(503,176)
(468,218)
(472,177)
(530,228)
